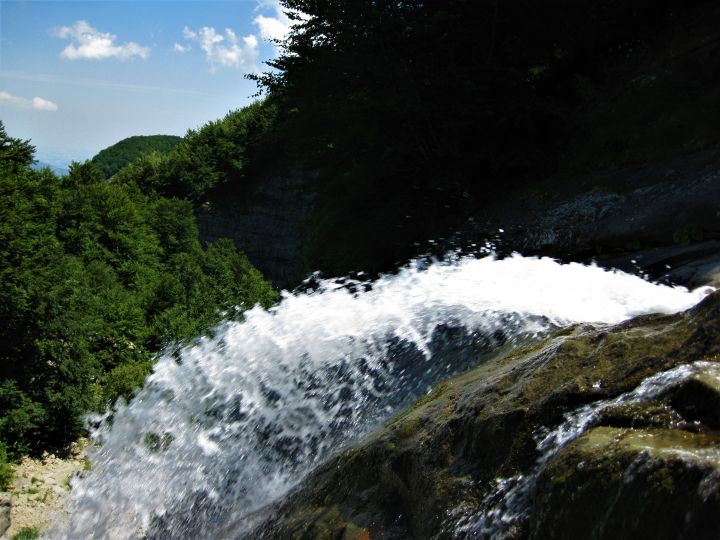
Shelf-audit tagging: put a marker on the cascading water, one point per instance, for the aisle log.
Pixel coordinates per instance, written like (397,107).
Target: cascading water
(233,421)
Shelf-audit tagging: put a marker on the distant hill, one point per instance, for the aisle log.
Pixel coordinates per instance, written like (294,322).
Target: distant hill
(60,171)
(115,157)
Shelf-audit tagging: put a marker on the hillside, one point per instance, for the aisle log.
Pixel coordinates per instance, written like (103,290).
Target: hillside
(115,157)
(38,165)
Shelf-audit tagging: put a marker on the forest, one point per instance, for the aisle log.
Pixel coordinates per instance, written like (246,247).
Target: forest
(97,278)
(113,158)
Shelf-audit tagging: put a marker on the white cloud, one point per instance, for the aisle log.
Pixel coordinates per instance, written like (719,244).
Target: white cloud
(88,43)
(272,28)
(37,103)
(277,27)
(226,50)
(43,104)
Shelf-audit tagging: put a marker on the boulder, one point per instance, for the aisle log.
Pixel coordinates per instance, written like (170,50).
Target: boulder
(698,399)
(631,483)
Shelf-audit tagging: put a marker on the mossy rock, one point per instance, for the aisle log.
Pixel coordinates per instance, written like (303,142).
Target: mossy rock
(445,452)
(698,399)
(641,415)
(631,483)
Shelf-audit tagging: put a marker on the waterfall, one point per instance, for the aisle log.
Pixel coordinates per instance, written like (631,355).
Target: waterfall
(231,422)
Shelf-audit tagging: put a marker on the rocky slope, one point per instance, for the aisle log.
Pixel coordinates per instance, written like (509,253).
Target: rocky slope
(599,432)
(38,492)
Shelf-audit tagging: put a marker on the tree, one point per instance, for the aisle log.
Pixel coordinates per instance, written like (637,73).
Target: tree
(14,153)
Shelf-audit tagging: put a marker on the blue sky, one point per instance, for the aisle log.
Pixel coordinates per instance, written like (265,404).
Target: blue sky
(76,77)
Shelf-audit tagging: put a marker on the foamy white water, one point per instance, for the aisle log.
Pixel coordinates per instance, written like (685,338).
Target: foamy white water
(232,422)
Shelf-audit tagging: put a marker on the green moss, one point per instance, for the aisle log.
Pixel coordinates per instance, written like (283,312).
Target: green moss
(663,480)
(409,427)
(562,477)
(324,523)
(27,533)
(437,391)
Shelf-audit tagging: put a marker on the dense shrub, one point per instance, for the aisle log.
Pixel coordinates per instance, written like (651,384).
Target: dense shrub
(214,154)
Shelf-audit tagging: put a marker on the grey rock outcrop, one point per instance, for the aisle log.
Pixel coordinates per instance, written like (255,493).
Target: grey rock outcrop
(5,503)
(267,221)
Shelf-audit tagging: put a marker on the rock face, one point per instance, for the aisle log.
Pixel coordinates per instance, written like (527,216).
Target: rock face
(432,471)
(5,504)
(659,216)
(267,221)
(639,483)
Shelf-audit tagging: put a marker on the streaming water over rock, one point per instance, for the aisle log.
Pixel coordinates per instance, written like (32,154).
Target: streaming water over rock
(510,501)
(232,422)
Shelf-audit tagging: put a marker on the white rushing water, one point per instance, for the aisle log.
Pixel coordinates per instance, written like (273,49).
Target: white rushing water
(232,422)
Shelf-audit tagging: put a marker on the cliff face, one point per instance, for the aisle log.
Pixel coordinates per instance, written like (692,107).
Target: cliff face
(268,221)
(654,217)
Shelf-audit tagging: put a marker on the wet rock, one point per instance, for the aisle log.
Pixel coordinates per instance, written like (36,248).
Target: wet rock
(5,503)
(641,415)
(409,479)
(625,483)
(698,399)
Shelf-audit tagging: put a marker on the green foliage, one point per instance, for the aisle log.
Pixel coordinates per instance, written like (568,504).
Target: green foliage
(15,154)
(214,154)
(97,276)
(27,533)
(6,472)
(115,157)
(155,442)
(123,380)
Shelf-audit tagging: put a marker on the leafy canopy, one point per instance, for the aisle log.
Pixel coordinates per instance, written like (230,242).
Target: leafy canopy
(96,277)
